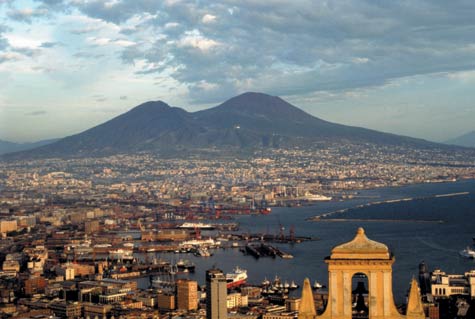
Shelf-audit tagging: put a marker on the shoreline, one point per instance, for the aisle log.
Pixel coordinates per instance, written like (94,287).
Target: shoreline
(323,217)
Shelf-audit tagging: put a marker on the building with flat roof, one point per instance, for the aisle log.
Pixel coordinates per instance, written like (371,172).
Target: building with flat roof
(187,294)
(444,285)
(216,294)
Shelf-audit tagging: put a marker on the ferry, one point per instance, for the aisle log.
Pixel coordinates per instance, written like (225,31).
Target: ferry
(317,197)
(200,242)
(467,253)
(196,225)
(236,278)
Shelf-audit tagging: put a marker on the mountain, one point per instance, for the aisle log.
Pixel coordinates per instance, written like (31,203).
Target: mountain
(10,147)
(466,140)
(248,121)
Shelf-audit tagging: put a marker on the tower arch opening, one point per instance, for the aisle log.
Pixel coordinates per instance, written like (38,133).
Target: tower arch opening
(359,296)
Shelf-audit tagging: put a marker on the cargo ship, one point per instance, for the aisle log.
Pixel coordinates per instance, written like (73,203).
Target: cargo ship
(236,278)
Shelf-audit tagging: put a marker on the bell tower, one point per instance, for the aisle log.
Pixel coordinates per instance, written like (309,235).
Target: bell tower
(372,259)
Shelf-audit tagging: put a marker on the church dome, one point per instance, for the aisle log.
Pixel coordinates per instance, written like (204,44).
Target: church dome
(361,248)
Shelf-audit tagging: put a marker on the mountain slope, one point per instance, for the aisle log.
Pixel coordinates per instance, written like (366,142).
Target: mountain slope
(247,121)
(273,117)
(10,147)
(466,140)
(147,126)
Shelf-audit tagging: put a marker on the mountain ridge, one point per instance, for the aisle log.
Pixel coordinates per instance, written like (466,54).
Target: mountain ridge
(250,120)
(10,147)
(465,140)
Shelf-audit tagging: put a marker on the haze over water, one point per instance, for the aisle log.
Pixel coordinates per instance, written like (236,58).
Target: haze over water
(437,243)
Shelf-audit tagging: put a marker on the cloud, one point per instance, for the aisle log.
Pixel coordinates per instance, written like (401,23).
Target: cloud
(4,44)
(277,46)
(208,18)
(123,97)
(27,14)
(87,55)
(48,45)
(36,113)
(194,39)
(9,56)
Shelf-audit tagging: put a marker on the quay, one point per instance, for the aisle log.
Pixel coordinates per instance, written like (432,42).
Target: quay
(335,220)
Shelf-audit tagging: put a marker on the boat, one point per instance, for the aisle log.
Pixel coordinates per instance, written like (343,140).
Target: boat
(293,285)
(237,278)
(317,285)
(265,282)
(316,197)
(266,211)
(202,252)
(185,265)
(197,225)
(120,254)
(467,253)
(210,242)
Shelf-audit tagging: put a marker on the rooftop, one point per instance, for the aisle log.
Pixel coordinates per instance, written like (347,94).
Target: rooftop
(361,247)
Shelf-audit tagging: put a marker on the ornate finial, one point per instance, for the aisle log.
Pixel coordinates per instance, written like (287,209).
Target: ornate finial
(360,231)
(307,303)
(415,309)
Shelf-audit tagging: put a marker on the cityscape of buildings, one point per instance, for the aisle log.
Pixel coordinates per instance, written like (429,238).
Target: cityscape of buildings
(79,236)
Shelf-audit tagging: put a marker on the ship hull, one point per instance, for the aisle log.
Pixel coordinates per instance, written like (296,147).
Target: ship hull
(235,284)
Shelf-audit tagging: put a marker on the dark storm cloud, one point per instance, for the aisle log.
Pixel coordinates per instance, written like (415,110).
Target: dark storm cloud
(293,47)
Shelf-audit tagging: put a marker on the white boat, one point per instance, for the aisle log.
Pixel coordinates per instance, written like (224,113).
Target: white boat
(196,225)
(265,282)
(236,278)
(202,252)
(316,197)
(293,285)
(317,285)
(200,242)
(120,254)
(467,253)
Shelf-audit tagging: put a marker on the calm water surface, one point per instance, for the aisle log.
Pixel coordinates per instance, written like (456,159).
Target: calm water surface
(437,243)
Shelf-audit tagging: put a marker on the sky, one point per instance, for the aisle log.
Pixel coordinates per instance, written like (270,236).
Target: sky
(405,67)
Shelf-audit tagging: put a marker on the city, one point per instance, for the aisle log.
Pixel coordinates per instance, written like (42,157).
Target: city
(84,237)
(176,159)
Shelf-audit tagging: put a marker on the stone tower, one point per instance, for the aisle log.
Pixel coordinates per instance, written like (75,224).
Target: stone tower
(373,259)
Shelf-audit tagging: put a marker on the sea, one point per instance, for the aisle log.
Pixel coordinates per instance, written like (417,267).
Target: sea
(428,222)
